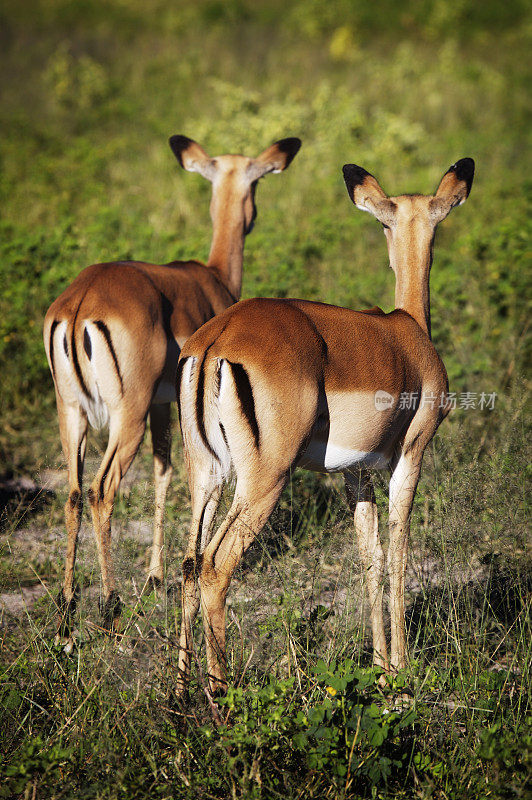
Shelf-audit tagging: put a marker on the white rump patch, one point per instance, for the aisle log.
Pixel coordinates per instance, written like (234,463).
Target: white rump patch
(68,382)
(221,465)
(188,369)
(187,401)
(101,373)
(96,410)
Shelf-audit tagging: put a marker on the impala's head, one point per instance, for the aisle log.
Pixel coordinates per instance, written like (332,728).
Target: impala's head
(409,221)
(234,177)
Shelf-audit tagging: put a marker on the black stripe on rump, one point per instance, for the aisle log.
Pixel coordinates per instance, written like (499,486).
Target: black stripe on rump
(200,404)
(245,395)
(75,360)
(224,434)
(87,344)
(102,327)
(55,323)
(178,379)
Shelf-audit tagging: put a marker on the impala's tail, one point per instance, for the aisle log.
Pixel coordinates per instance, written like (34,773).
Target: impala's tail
(198,392)
(104,376)
(217,412)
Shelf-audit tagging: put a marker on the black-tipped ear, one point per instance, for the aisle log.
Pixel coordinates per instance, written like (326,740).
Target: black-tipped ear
(275,158)
(192,157)
(354,176)
(464,169)
(178,144)
(453,190)
(364,190)
(290,146)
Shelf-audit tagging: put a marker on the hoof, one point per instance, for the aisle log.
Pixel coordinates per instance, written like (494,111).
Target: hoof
(68,647)
(383,680)
(110,611)
(66,610)
(182,694)
(154,581)
(67,643)
(218,691)
(173,589)
(402,702)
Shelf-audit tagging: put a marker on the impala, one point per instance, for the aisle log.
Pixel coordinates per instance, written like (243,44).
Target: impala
(112,340)
(272,384)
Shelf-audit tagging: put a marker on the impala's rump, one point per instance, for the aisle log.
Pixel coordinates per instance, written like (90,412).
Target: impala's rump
(95,323)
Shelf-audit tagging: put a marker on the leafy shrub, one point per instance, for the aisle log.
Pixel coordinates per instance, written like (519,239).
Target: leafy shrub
(353,731)
(346,727)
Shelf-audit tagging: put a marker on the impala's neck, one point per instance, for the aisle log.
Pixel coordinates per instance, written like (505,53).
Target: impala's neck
(411,260)
(227,248)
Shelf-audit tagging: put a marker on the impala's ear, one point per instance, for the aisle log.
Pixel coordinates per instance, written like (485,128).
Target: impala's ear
(275,158)
(366,193)
(192,157)
(454,188)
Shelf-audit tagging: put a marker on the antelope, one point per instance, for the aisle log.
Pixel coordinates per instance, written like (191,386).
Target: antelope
(112,340)
(271,384)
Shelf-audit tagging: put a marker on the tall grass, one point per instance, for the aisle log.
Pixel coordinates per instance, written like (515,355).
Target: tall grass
(91,93)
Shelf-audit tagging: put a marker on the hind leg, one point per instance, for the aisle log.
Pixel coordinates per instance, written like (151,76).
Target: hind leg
(73,430)
(402,490)
(161,434)
(206,484)
(246,518)
(124,441)
(361,500)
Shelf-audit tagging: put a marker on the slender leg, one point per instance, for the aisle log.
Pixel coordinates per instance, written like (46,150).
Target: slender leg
(206,488)
(402,490)
(361,500)
(189,609)
(161,435)
(73,430)
(124,441)
(209,516)
(220,559)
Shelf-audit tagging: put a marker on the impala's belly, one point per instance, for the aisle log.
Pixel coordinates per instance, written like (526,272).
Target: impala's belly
(165,393)
(353,431)
(322,456)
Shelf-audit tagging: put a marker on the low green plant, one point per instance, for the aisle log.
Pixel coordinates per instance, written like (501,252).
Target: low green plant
(354,731)
(340,724)
(38,764)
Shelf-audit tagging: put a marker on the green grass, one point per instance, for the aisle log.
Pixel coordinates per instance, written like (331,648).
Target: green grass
(91,92)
